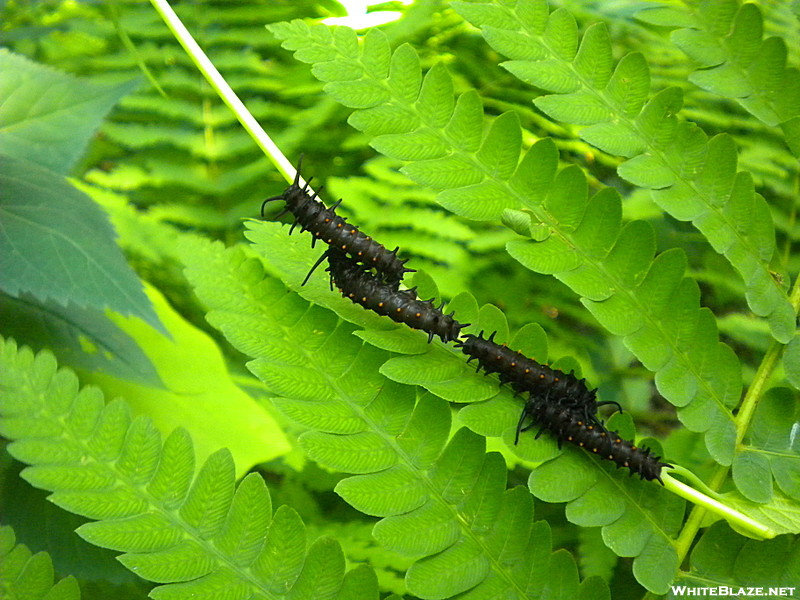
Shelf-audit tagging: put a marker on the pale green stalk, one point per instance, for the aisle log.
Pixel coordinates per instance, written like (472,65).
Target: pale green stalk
(225,91)
(733,516)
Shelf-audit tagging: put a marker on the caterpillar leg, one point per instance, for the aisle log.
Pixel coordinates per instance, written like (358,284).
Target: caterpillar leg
(609,402)
(521,424)
(267,201)
(314,268)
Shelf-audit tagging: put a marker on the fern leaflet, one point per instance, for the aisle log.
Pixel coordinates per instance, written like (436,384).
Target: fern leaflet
(30,576)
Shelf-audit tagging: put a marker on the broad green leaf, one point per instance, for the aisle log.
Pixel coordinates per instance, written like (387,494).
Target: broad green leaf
(551,75)
(58,245)
(454,570)
(580,107)
(363,452)
(465,126)
(200,394)
(499,152)
(550,256)
(444,173)
(561,33)
(210,495)
(418,145)
(139,533)
(357,94)
(48,117)
(630,84)
(482,201)
(730,559)
(183,562)
(791,361)
(82,337)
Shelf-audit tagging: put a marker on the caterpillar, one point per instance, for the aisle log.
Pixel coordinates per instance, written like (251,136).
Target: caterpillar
(561,404)
(323,223)
(526,375)
(566,425)
(402,306)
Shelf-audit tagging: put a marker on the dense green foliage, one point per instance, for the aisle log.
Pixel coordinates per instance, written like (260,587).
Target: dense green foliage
(612,192)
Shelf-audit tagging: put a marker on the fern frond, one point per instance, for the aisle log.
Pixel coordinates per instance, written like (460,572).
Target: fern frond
(479,537)
(219,165)
(201,536)
(691,177)
(579,240)
(648,301)
(30,576)
(725,40)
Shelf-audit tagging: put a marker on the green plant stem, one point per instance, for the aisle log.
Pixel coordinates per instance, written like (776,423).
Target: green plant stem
(225,91)
(743,419)
(741,520)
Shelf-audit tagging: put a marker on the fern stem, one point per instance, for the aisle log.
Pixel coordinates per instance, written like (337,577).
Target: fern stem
(765,369)
(743,419)
(224,91)
(792,218)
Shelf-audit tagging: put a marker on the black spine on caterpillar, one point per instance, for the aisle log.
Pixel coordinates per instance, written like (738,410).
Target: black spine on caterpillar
(566,425)
(526,375)
(324,224)
(402,306)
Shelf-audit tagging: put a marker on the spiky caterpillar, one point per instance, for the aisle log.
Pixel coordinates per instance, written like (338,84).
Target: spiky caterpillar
(324,224)
(559,403)
(566,425)
(526,375)
(402,306)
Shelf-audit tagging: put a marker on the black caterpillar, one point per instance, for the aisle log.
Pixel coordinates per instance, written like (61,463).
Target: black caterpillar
(564,424)
(558,402)
(526,375)
(403,306)
(325,224)
(561,404)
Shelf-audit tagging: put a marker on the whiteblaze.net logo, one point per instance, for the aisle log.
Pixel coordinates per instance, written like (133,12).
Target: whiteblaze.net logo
(725,591)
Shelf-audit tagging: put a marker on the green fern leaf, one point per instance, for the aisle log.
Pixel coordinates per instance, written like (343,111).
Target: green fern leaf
(726,43)
(406,471)
(140,533)
(360,584)
(395,489)
(209,538)
(30,576)
(761,467)
(210,495)
(644,528)
(172,478)
(672,168)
